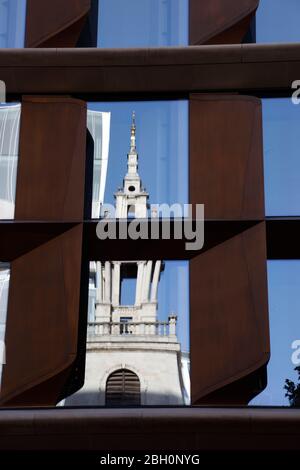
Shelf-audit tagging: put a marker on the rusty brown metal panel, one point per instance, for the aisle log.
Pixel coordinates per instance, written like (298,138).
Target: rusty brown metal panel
(226,156)
(229,317)
(219,21)
(51,168)
(42,321)
(55,23)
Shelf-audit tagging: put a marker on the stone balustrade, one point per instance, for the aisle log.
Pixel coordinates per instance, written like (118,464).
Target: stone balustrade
(158,328)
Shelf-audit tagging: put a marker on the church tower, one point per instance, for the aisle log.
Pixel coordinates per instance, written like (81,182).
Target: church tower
(131,199)
(132,358)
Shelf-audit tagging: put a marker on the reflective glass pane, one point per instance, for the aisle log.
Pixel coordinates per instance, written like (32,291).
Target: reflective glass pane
(161,147)
(138,313)
(12,23)
(284,308)
(142,23)
(278,21)
(9,151)
(142,337)
(98,124)
(281,124)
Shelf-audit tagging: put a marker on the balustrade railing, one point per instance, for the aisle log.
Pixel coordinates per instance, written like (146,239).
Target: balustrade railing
(159,328)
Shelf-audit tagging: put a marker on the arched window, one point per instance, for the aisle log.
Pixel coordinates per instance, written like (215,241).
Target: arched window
(123,389)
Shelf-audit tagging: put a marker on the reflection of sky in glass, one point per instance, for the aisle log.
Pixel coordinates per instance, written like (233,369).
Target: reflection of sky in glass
(12,23)
(127,296)
(278,21)
(281,124)
(284,311)
(173,297)
(162,144)
(143,23)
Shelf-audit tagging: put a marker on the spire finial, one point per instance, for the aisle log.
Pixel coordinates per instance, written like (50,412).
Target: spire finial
(132,136)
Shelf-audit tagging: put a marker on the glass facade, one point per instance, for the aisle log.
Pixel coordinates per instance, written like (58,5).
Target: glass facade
(12,23)
(281,122)
(142,23)
(278,21)
(284,307)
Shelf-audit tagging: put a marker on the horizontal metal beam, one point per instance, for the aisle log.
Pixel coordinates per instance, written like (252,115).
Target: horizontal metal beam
(167,70)
(17,238)
(201,429)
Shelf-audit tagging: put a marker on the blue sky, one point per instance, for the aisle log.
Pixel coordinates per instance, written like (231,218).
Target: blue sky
(281,122)
(143,23)
(284,308)
(278,21)
(12,23)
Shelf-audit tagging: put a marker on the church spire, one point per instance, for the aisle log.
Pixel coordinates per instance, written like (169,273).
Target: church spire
(132,197)
(132,156)
(132,136)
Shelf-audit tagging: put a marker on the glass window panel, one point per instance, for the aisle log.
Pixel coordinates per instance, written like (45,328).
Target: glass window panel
(162,146)
(98,124)
(12,23)
(278,21)
(147,335)
(142,23)
(281,124)
(284,308)
(138,313)
(9,150)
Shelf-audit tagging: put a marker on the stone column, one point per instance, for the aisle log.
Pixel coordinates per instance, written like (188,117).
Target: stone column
(139,282)
(147,281)
(116,283)
(155,280)
(99,297)
(107,283)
